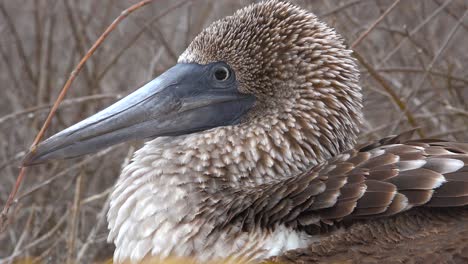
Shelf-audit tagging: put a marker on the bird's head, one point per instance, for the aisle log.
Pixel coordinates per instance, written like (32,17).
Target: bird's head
(270,65)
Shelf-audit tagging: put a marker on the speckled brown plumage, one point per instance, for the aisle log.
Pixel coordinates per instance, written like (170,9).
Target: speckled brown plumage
(254,156)
(284,178)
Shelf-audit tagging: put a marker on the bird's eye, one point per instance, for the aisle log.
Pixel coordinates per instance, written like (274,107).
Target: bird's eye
(221,73)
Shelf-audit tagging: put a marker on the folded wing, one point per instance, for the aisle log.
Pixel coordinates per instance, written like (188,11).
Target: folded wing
(376,180)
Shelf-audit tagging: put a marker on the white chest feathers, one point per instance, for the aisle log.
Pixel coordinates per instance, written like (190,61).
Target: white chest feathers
(148,219)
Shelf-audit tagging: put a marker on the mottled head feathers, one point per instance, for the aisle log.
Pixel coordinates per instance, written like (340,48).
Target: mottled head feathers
(297,67)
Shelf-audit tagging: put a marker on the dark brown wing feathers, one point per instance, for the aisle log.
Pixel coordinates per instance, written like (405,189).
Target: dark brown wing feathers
(416,173)
(379,179)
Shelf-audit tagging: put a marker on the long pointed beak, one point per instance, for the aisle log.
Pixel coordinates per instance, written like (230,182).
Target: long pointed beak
(185,99)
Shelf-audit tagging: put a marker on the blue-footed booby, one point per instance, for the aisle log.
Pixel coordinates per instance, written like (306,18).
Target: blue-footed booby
(252,150)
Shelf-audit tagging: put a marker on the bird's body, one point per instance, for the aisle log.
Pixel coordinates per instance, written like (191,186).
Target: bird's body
(263,219)
(421,235)
(255,156)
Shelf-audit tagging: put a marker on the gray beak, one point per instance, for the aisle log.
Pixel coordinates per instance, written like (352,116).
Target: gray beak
(185,99)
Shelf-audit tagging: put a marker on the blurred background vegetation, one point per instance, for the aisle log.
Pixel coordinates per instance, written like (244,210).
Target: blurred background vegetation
(414,74)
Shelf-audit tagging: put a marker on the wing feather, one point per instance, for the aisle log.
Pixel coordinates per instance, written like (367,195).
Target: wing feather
(379,179)
(417,197)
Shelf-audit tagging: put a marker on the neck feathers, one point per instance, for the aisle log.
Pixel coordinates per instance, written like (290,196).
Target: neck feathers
(162,193)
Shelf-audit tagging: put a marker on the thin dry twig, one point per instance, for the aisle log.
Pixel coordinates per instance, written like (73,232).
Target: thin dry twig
(342,7)
(97,196)
(66,102)
(419,70)
(101,216)
(457,110)
(375,74)
(393,95)
(79,40)
(414,31)
(74,219)
(81,64)
(19,44)
(64,172)
(450,35)
(24,234)
(101,219)
(137,36)
(421,81)
(45,253)
(63,92)
(36,242)
(376,22)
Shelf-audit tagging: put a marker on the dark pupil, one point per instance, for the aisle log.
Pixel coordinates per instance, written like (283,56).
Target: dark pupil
(221,74)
